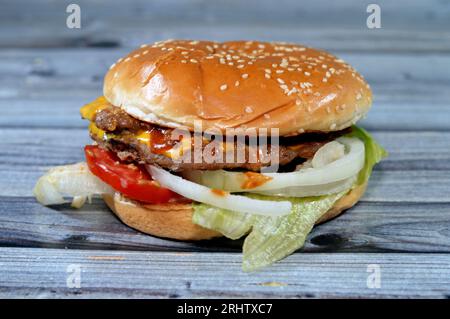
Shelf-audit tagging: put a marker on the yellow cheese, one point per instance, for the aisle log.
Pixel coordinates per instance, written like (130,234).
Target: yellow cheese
(89,110)
(94,130)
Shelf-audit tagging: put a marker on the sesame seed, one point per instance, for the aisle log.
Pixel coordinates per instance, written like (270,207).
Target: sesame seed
(145,52)
(193,60)
(300,130)
(184,53)
(240,66)
(307,73)
(279,71)
(267,76)
(112,66)
(268,70)
(248,109)
(267,116)
(223,87)
(136,56)
(333,126)
(324,80)
(143,45)
(280,81)
(245,76)
(127,59)
(358,96)
(236,83)
(292,91)
(183,61)
(298,102)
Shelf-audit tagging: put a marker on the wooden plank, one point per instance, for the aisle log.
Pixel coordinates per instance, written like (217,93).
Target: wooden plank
(94,63)
(369,227)
(59,112)
(87,88)
(416,170)
(407,25)
(335,39)
(415,186)
(408,150)
(433,13)
(44,273)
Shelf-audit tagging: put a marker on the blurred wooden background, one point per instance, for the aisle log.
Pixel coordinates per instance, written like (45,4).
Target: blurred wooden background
(47,71)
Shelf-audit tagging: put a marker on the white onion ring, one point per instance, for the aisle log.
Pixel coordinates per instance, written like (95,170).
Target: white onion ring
(207,195)
(312,190)
(75,181)
(343,168)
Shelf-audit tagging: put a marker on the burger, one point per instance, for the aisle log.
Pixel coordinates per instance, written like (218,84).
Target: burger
(199,139)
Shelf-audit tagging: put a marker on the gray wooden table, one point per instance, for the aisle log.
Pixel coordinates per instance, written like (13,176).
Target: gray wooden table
(401,226)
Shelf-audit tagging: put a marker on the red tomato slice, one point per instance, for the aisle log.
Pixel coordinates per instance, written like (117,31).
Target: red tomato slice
(132,181)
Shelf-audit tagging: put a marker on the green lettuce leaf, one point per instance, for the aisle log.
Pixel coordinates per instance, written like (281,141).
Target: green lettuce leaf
(374,152)
(270,239)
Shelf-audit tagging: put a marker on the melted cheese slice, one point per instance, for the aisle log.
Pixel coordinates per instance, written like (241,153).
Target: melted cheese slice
(89,110)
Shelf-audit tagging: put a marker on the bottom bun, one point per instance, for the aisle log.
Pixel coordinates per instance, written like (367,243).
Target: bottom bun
(175,220)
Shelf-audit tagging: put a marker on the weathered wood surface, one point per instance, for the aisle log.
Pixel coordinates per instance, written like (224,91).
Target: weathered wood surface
(368,227)
(409,174)
(39,73)
(408,26)
(38,273)
(48,71)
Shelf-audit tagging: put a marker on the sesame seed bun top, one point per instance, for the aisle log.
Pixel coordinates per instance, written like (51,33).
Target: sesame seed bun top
(247,84)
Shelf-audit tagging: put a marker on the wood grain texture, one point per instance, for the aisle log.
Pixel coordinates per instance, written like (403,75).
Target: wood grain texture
(416,170)
(50,74)
(48,71)
(183,275)
(408,26)
(60,112)
(368,227)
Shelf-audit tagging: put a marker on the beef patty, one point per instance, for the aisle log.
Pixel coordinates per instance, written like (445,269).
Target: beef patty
(123,141)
